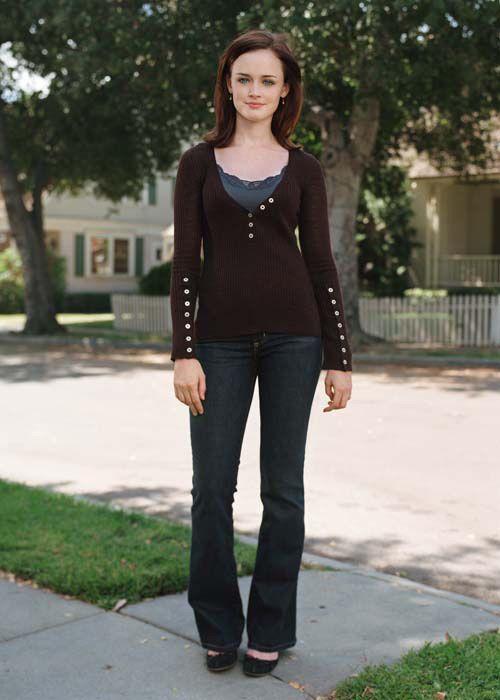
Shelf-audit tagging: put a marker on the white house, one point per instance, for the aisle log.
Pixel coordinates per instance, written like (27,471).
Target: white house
(107,246)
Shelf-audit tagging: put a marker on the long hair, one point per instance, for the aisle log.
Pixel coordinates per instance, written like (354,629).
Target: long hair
(285,117)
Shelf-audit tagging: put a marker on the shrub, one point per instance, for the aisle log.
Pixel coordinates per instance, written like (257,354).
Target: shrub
(12,280)
(157,280)
(11,283)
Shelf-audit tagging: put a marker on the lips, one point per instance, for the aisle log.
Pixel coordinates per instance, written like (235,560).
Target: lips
(255,104)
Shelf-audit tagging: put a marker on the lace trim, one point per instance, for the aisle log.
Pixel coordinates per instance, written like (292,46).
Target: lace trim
(250,184)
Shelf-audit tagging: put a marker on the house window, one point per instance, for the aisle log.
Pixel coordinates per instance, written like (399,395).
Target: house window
(121,256)
(99,256)
(110,255)
(152,190)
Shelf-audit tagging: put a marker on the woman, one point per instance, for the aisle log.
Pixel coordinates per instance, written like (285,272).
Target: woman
(267,309)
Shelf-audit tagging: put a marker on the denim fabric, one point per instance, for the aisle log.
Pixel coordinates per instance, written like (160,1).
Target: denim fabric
(288,369)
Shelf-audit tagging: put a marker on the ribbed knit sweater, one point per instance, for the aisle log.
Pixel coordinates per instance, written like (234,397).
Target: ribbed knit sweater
(254,276)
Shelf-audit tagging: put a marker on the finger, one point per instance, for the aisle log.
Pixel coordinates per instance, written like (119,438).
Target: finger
(344,398)
(178,394)
(194,400)
(203,388)
(338,398)
(183,395)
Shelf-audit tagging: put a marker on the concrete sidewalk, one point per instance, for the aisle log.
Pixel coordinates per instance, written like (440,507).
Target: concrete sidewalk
(58,648)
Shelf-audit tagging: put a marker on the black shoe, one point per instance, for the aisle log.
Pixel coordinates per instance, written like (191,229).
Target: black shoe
(258,667)
(222,661)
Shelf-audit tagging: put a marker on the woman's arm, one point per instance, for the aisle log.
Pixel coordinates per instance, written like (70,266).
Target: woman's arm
(185,270)
(314,237)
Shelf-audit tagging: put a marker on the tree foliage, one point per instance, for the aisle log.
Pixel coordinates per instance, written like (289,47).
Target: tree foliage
(130,82)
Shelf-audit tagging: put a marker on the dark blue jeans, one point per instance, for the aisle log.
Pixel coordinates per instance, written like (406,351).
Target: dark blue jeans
(288,368)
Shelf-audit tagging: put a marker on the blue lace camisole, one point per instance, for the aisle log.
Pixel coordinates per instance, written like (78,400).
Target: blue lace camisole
(249,193)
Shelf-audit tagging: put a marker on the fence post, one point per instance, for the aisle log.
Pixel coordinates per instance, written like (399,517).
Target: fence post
(495,320)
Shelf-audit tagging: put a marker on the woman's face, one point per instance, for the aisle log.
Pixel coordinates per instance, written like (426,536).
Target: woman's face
(257,84)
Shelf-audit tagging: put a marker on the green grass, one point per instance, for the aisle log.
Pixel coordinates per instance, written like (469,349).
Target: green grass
(90,326)
(93,552)
(451,670)
(101,326)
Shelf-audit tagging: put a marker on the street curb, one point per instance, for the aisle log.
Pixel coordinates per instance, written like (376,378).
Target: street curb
(310,558)
(83,341)
(460,361)
(87,342)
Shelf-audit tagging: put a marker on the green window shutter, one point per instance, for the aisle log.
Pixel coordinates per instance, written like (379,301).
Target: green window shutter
(139,256)
(152,191)
(79,254)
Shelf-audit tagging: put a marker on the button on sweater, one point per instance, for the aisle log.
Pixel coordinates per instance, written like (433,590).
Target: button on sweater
(255,276)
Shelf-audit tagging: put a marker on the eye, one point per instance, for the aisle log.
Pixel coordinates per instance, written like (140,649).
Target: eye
(270,82)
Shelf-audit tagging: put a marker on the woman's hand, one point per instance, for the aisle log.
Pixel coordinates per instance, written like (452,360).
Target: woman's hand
(189,383)
(338,387)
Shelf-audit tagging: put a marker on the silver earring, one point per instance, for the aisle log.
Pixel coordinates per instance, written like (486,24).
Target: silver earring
(282,100)
(230,97)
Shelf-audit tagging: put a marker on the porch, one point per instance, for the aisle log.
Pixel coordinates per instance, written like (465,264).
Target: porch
(458,225)
(468,270)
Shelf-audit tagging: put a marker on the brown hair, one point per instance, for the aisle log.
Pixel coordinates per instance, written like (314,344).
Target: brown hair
(285,117)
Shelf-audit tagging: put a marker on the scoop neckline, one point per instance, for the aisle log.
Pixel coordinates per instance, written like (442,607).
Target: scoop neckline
(282,182)
(241,182)
(212,151)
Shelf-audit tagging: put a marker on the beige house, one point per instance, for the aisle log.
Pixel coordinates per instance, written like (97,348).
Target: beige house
(107,246)
(458,223)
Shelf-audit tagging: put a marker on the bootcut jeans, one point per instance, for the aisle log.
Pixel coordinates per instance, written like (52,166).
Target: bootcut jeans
(288,368)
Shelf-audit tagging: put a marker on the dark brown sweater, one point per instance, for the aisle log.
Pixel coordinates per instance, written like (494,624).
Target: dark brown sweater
(254,276)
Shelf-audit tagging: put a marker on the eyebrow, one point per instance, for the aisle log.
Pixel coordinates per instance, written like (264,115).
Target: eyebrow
(262,76)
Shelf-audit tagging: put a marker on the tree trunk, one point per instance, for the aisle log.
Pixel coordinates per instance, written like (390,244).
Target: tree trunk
(344,158)
(27,230)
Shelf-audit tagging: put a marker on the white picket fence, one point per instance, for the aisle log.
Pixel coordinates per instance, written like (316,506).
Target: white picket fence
(137,312)
(454,320)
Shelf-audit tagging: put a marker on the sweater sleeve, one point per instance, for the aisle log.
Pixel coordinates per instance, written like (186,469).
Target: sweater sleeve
(185,270)
(314,237)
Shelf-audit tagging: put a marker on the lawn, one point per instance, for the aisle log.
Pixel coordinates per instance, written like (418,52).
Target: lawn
(94,552)
(451,670)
